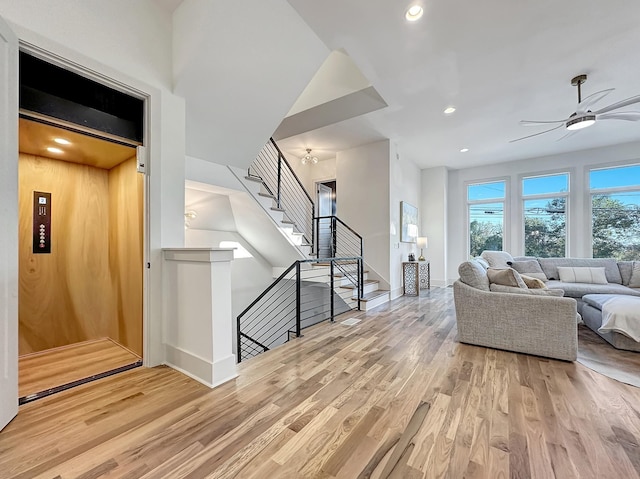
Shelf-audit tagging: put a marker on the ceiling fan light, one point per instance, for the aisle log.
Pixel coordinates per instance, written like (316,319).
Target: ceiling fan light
(580,122)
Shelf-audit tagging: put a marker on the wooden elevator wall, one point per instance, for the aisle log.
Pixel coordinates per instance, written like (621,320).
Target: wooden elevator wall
(65,296)
(126,201)
(90,286)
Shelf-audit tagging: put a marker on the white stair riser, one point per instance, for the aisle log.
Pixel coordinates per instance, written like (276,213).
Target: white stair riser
(367,305)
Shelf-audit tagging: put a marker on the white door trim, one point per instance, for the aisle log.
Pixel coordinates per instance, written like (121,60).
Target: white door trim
(9,232)
(110,82)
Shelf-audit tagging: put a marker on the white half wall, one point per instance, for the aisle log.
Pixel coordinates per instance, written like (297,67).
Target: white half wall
(576,163)
(249,276)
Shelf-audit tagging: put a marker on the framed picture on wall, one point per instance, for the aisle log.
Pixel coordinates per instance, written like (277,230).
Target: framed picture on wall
(408,222)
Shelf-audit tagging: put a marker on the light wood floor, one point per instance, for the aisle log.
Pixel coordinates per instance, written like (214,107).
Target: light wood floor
(55,367)
(394,396)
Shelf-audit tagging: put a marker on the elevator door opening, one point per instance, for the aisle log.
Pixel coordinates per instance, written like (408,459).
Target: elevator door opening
(81,256)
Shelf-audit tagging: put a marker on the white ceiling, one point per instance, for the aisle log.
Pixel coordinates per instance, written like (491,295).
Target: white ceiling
(496,61)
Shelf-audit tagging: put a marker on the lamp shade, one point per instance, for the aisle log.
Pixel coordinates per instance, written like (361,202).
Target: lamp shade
(423,242)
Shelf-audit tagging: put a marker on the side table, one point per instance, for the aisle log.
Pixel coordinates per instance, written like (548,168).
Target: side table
(416,275)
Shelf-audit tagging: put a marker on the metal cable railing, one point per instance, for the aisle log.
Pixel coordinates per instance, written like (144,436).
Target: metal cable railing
(337,239)
(286,189)
(304,295)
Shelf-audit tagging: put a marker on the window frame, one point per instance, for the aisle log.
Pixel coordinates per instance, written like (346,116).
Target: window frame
(544,196)
(589,192)
(505,210)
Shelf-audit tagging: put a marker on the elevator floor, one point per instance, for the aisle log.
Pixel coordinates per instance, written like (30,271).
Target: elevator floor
(47,372)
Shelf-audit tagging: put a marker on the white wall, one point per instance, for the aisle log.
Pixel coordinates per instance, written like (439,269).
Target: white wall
(338,76)
(434,217)
(213,211)
(310,174)
(129,43)
(249,276)
(404,180)
(240,67)
(362,176)
(576,163)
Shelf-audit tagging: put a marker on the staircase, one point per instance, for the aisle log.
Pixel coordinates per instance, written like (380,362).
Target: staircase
(323,287)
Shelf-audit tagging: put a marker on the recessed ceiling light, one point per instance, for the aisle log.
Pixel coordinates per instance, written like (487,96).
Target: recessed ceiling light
(414,13)
(52,149)
(464,150)
(61,141)
(449,110)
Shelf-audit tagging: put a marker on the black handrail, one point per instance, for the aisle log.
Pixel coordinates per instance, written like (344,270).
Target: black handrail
(288,192)
(291,169)
(283,307)
(353,246)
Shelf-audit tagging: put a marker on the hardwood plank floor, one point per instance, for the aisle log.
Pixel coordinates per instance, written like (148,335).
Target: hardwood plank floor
(55,367)
(395,396)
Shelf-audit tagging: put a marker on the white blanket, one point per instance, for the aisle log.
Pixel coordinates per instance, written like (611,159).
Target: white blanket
(622,315)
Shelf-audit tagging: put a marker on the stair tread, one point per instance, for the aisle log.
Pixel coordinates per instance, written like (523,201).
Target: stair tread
(374,294)
(253,178)
(267,195)
(341,275)
(366,281)
(275,208)
(288,222)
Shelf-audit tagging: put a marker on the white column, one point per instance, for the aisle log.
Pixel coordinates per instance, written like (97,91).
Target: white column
(198,324)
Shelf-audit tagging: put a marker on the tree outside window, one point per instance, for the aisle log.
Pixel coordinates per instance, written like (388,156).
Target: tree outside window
(615,212)
(486,218)
(545,215)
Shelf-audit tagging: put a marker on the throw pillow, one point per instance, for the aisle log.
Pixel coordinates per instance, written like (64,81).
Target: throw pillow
(482,261)
(497,259)
(533,283)
(499,288)
(529,267)
(506,277)
(585,274)
(634,282)
(473,274)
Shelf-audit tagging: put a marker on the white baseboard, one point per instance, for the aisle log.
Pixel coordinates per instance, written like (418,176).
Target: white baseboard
(396,293)
(209,373)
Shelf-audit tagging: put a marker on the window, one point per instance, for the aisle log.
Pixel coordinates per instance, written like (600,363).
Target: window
(615,212)
(485,203)
(545,215)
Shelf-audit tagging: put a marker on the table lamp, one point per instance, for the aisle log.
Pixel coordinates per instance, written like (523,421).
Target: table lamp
(422,243)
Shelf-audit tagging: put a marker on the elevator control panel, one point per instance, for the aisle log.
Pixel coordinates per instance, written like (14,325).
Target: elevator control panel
(41,222)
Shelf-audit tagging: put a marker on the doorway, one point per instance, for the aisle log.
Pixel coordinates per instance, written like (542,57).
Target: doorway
(326,201)
(81,230)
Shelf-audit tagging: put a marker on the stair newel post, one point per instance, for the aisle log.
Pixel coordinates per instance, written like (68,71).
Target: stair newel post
(334,237)
(316,244)
(298,298)
(279,178)
(331,291)
(360,281)
(238,341)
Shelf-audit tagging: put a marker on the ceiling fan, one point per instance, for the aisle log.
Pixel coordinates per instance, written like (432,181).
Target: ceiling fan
(583,117)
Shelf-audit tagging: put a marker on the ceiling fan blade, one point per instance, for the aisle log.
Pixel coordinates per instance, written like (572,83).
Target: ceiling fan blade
(585,104)
(536,123)
(569,134)
(620,104)
(536,134)
(621,115)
